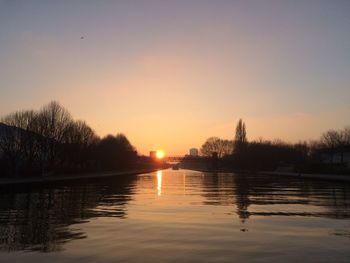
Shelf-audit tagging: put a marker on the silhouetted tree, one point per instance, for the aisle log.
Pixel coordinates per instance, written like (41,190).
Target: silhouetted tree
(215,144)
(18,141)
(50,140)
(334,141)
(240,144)
(78,145)
(53,122)
(267,155)
(347,135)
(116,152)
(240,136)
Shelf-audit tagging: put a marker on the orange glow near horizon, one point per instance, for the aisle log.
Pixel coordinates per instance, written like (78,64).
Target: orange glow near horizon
(160,154)
(162,87)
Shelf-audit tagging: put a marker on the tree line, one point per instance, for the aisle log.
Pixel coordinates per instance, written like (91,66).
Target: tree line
(51,141)
(327,154)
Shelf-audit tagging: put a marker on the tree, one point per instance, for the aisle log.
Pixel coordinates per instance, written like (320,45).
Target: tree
(240,137)
(124,143)
(335,142)
(50,138)
(53,121)
(78,141)
(217,145)
(347,136)
(78,132)
(116,152)
(19,141)
(226,147)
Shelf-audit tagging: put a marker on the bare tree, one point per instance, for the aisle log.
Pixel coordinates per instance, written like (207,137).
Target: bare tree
(53,121)
(335,141)
(77,140)
(78,132)
(18,140)
(217,145)
(227,147)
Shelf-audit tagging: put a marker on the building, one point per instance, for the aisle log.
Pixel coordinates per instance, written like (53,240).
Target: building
(193,152)
(153,154)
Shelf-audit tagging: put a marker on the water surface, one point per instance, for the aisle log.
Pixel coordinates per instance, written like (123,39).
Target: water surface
(177,216)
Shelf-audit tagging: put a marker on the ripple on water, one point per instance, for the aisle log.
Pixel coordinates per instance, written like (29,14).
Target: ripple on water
(177,216)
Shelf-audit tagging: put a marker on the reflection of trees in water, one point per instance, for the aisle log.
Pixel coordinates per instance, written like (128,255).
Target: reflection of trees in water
(218,189)
(244,190)
(225,189)
(40,219)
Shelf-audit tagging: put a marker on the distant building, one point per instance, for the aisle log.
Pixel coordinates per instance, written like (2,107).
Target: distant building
(193,152)
(153,154)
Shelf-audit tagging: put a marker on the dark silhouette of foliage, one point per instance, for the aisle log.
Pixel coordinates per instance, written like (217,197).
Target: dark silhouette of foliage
(267,155)
(19,142)
(49,140)
(54,121)
(241,133)
(240,140)
(336,142)
(216,145)
(116,152)
(325,155)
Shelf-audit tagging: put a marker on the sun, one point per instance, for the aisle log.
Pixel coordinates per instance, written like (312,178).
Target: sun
(160,154)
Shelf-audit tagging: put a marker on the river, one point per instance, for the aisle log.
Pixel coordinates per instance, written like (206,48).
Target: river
(177,216)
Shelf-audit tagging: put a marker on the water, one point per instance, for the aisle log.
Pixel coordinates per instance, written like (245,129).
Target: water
(177,216)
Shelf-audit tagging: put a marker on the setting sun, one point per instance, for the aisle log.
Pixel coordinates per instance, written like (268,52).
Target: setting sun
(160,154)
(175,131)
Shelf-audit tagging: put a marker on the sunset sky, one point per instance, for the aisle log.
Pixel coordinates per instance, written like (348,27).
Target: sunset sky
(170,74)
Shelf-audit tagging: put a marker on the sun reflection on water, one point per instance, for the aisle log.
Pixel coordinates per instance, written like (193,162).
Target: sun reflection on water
(159,182)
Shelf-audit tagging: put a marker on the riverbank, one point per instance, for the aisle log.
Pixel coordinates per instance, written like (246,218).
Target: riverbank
(326,177)
(63,178)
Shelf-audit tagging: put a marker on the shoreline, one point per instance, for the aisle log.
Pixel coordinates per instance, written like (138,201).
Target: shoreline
(324,177)
(64,178)
(102,175)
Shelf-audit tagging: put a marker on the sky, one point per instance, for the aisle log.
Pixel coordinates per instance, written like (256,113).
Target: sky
(170,74)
